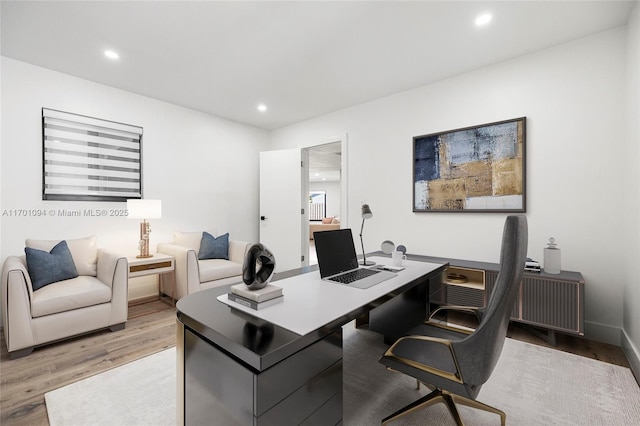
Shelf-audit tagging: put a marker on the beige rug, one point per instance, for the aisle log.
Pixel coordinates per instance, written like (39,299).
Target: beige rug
(532,384)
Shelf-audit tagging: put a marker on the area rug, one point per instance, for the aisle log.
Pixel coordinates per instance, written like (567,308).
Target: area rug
(532,384)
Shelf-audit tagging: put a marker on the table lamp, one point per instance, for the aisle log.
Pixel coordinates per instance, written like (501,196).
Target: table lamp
(144,209)
(366,214)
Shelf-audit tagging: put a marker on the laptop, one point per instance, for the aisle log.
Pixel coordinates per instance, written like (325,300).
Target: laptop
(338,261)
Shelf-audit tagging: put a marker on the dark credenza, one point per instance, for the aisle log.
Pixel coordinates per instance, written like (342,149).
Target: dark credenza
(552,302)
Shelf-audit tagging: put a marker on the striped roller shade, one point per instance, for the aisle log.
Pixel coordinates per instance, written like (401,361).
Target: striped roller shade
(88,159)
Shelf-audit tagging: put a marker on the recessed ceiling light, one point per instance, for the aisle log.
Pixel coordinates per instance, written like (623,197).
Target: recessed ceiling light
(262,108)
(483,19)
(111,54)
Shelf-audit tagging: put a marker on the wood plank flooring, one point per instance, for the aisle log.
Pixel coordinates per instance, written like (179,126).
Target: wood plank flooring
(151,328)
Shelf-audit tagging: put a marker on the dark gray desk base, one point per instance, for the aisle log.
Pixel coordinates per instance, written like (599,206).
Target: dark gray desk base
(236,369)
(305,388)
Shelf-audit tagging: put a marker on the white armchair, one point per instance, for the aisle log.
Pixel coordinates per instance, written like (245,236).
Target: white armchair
(193,275)
(95,299)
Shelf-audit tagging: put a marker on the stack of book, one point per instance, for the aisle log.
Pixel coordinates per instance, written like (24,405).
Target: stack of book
(532,265)
(255,299)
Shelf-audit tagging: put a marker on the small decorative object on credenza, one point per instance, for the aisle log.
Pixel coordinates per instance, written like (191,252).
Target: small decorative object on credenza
(532,265)
(257,270)
(387,247)
(552,257)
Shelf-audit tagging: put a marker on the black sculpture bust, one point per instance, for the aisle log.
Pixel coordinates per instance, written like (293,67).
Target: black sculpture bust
(257,269)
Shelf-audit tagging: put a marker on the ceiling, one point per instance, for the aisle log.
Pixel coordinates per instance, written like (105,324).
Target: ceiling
(301,59)
(325,162)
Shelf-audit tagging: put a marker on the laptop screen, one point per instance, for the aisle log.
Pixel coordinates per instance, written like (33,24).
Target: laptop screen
(336,252)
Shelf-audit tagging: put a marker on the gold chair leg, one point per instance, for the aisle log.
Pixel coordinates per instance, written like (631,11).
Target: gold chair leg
(451,405)
(425,401)
(450,400)
(478,405)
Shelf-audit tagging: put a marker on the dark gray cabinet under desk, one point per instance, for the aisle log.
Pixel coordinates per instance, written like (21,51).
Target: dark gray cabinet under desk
(554,302)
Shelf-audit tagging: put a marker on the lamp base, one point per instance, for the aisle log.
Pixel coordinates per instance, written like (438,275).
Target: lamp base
(144,256)
(367,263)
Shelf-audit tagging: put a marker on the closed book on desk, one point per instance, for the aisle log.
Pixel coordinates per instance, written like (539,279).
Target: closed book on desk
(252,303)
(266,293)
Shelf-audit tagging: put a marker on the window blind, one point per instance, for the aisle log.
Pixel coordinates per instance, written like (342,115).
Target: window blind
(89,159)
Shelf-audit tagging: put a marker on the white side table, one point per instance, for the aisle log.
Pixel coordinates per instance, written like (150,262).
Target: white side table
(160,264)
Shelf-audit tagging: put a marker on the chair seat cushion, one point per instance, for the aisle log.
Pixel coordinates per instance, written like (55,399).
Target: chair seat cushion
(216,269)
(67,295)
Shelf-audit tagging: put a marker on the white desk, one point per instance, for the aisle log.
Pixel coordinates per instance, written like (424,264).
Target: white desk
(310,303)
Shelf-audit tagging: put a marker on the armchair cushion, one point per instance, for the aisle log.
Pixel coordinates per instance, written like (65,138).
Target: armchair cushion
(190,239)
(217,269)
(50,267)
(214,248)
(68,295)
(83,250)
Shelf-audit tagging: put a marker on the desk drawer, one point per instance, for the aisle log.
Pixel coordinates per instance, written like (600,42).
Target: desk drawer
(295,372)
(316,399)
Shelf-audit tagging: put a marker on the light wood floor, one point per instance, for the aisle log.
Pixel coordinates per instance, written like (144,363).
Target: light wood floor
(150,329)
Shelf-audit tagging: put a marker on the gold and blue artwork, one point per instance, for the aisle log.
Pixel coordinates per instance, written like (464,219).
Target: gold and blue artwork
(474,169)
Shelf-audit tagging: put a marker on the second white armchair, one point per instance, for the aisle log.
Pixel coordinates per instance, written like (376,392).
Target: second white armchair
(199,264)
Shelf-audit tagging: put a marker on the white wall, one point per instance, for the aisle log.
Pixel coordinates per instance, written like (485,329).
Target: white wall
(631,321)
(573,97)
(203,168)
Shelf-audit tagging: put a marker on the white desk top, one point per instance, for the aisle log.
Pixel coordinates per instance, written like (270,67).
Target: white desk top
(310,303)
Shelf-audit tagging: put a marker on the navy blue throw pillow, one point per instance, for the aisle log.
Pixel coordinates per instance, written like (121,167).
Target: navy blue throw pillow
(46,268)
(214,248)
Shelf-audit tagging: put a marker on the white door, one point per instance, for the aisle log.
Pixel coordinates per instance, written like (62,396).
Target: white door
(281,207)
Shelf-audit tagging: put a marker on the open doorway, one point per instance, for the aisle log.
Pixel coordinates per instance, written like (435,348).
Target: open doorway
(325,191)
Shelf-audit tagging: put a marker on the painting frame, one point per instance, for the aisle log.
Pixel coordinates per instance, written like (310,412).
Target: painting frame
(475,169)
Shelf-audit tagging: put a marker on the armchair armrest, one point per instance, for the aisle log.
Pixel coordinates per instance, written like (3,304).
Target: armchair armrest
(16,292)
(237,251)
(113,271)
(456,376)
(187,271)
(477,312)
(107,266)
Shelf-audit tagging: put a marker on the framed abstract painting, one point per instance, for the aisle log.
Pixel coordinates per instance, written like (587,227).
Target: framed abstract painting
(473,169)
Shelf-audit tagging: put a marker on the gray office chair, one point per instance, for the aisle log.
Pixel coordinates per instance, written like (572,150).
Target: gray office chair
(456,362)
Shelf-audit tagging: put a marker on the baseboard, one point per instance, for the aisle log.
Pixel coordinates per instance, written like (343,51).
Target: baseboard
(633,355)
(603,333)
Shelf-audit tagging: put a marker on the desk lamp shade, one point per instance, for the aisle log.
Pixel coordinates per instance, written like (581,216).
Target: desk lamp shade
(144,209)
(366,214)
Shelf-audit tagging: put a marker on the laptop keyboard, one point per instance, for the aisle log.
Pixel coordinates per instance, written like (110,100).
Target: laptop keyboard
(349,277)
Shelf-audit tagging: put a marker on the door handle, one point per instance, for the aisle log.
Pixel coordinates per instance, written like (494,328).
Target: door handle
(263,218)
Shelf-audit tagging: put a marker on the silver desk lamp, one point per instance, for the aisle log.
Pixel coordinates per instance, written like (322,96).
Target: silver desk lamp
(366,214)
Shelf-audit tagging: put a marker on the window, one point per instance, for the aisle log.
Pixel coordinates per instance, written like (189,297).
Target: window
(317,205)
(88,159)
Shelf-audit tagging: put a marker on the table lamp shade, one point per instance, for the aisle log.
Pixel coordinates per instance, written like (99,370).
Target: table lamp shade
(144,209)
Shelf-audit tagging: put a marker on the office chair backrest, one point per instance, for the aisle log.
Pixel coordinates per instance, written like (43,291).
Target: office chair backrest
(478,354)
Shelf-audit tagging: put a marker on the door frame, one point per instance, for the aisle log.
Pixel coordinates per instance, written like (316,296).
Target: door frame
(344,210)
